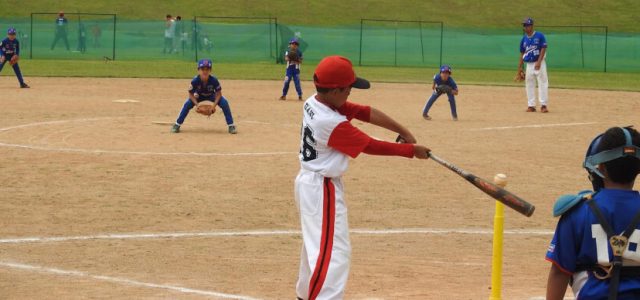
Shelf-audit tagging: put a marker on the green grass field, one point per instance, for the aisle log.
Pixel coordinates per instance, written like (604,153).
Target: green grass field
(268,71)
(460,13)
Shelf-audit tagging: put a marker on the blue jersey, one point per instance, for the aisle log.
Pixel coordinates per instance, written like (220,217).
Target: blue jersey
(205,90)
(9,47)
(530,47)
(293,64)
(61,23)
(437,79)
(580,241)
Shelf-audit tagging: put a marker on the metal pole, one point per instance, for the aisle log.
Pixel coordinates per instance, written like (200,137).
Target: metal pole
(441,40)
(276,44)
(421,42)
(582,46)
(395,46)
(360,54)
(31,39)
(114,36)
(606,42)
(195,36)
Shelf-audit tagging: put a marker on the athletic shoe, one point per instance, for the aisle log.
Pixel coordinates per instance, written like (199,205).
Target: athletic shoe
(283,98)
(175,128)
(544,109)
(455,118)
(426,117)
(531,109)
(24,86)
(299,98)
(232,129)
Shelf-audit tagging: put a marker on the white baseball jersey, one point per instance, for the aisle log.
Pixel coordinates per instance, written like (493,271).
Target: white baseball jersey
(327,141)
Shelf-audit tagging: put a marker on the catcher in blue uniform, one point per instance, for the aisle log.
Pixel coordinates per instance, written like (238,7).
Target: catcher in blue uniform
(595,245)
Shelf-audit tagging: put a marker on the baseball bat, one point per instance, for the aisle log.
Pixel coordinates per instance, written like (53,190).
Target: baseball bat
(509,199)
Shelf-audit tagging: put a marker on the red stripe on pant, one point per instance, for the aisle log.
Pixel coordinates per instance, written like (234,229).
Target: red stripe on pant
(326,242)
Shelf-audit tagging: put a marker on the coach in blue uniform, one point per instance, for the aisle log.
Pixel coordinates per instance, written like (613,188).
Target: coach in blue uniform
(61,31)
(533,50)
(10,52)
(580,251)
(205,87)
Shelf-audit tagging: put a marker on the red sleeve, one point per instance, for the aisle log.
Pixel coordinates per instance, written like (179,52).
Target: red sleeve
(353,110)
(348,139)
(377,147)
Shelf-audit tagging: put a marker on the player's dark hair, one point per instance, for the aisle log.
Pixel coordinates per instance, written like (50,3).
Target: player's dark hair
(168,16)
(322,90)
(624,169)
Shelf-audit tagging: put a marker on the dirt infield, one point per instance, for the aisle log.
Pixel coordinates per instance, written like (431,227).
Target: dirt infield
(206,214)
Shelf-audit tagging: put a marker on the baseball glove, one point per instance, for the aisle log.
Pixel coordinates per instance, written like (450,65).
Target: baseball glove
(205,108)
(519,76)
(14,60)
(293,56)
(443,89)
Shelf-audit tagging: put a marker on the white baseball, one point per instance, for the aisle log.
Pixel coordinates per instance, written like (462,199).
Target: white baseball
(500,179)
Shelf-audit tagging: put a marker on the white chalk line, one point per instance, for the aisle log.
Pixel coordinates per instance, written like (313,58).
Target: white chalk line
(533,126)
(120,280)
(125,152)
(174,235)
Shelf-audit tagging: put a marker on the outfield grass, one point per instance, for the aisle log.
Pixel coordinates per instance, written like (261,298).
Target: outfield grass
(461,13)
(269,71)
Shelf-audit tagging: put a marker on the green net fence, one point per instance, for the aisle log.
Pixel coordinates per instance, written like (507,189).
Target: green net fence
(370,43)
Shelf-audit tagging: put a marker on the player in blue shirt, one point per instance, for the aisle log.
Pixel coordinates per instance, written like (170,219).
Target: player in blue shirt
(205,87)
(441,80)
(580,252)
(293,58)
(61,31)
(10,52)
(533,49)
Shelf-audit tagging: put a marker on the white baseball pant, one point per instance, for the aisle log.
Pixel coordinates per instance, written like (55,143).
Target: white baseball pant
(533,75)
(326,250)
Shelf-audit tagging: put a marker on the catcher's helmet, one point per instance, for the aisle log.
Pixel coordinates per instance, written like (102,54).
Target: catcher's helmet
(528,21)
(594,158)
(11,31)
(205,63)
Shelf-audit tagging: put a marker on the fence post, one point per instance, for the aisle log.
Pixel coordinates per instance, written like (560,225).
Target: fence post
(31,39)
(606,42)
(360,53)
(441,41)
(114,36)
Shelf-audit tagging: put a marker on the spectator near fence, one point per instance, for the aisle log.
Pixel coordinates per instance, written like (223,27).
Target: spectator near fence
(169,34)
(61,31)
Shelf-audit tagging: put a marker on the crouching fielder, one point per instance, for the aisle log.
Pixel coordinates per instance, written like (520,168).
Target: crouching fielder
(328,139)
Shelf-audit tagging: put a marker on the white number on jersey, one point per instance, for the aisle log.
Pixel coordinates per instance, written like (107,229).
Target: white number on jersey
(602,245)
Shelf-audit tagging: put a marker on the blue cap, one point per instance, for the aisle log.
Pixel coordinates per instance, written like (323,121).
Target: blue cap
(294,41)
(445,68)
(527,21)
(205,63)
(11,30)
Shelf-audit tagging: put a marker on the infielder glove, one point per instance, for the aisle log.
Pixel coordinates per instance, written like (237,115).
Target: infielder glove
(205,108)
(14,60)
(519,76)
(443,89)
(293,56)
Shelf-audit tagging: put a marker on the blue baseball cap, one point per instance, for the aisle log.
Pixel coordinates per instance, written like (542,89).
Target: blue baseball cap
(205,63)
(11,31)
(527,21)
(294,41)
(445,68)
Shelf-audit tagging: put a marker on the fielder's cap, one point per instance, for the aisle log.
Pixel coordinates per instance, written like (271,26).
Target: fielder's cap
(445,68)
(337,72)
(205,63)
(11,31)
(294,41)
(527,21)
